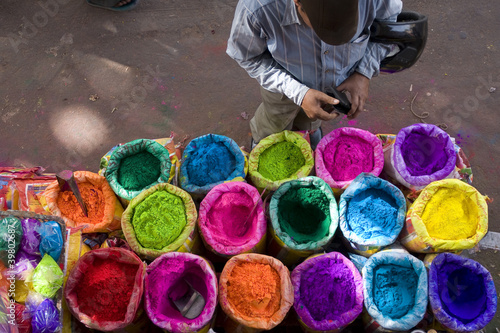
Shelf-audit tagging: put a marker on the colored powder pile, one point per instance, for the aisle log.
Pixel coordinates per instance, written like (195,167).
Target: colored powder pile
(280,161)
(253,289)
(138,171)
(372,213)
(210,163)
(394,289)
(462,292)
(348,156)
(304,214)
(159,219)
(450,214)
(423,155)
(105,289)
(166,283)
(229,221)
(328,290)
(94,201)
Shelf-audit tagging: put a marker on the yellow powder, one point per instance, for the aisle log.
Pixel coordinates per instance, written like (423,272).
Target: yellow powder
(450,214)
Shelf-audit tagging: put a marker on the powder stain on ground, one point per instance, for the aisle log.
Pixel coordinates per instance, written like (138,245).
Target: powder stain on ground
(347,157)
(138,171)
(372,213)
(450,214)
(423,155)
(304,214)
(280,161)
(253,289)
(394,289)
(105,290)
(210,163)
(94,201)
(328,290)
(159,220)
(229,218)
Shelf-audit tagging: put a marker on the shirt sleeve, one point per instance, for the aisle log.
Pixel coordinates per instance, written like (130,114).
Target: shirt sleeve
(247,45)
(369,65)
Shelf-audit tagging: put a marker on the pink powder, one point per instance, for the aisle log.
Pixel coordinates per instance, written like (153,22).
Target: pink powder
(348,156)
(228,219)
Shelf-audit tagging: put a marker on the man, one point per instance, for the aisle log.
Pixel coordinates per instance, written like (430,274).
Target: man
(299,50)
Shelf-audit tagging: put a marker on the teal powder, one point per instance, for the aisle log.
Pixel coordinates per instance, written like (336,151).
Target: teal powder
(304,214)
(372,213)
(394,289)
(328,290)
(210,163)
(138,171)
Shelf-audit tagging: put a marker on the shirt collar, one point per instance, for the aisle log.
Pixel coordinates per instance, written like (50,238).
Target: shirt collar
(290,16)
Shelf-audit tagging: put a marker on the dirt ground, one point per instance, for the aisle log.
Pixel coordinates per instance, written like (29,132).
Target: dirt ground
(76,80)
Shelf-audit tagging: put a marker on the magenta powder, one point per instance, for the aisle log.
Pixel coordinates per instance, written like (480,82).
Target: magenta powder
(424,155)
(348,156)
(328,289)
(229,220)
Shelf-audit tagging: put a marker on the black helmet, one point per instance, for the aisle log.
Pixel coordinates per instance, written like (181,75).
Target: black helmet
(408,33)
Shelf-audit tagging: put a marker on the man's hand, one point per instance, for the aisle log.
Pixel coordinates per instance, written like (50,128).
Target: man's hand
(357,85)
(315,103)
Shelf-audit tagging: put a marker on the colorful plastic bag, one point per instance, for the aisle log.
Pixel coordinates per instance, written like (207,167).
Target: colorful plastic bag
(232,219)
(462,293)
(346,152)
(372,212)
(448,215)
(46,318)
(210,160)
(47,277)
(11,233)
(51,239)
(304,218)
(30,243)
(279,158)
(175,231)
(395,289)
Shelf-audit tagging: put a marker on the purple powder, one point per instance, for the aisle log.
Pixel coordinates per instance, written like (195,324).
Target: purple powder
(30,242)
(328,289)
(423,154)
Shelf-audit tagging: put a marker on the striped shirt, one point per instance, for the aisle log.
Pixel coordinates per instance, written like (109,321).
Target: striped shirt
(272,44)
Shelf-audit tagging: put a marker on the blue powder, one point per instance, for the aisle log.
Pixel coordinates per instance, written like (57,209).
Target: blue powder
(210,163)
(372,213)
(462,292)
(394,289)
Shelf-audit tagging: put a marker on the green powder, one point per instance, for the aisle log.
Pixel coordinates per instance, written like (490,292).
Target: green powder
(304,214)
(138,171)
(159,219)
(280,161)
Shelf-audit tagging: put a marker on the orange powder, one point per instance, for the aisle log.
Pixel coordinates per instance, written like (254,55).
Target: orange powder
(253,289)
(93,198)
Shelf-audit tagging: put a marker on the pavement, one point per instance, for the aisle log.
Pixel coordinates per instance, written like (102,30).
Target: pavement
(76,80)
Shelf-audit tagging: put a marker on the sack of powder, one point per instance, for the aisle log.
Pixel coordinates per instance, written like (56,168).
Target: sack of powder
(372,213)
(279,158)
(210,160)
(346,152)
(255,292)
(161,219)
(105,287)
(328,292)
(136,166)
(304,218)
(395,289)
(168,279)
(462,293)
(448,215)
(421,154)
(103,207)
(232,220)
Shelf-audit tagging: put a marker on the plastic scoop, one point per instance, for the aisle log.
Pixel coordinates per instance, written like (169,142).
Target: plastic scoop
(191,303)
(67,182)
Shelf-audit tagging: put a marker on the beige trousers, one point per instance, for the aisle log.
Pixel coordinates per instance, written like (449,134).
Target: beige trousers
(277,113)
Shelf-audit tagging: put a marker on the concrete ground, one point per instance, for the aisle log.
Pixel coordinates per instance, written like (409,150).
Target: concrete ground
(76,80)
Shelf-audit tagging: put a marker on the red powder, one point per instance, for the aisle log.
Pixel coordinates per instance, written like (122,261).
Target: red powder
(93,198)
(105,290)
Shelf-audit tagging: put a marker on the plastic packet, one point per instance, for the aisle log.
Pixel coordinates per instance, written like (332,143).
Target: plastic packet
(11,232)
(23,320)
(51,239)
(25,264)
(48,277)
(46,318)
(30,242)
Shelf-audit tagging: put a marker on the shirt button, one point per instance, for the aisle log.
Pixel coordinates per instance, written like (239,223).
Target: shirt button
(326,52)
(327,71)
